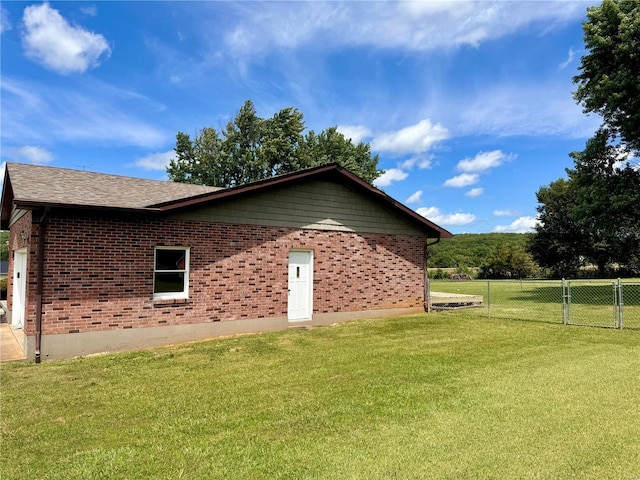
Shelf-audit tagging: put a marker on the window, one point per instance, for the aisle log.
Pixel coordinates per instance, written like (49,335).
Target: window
(171,272)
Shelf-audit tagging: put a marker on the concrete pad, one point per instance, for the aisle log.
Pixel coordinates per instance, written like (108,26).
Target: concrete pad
(10,349)
(454,300)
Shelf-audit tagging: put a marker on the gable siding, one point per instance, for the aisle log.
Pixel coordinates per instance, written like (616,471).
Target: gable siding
(317,205)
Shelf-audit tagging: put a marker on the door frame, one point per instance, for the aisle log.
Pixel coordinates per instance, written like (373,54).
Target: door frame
(309,293)
(19,292)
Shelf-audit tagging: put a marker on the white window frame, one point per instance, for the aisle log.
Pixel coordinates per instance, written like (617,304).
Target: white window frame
(172,295)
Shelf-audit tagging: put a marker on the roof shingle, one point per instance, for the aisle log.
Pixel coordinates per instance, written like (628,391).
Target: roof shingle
(36,183)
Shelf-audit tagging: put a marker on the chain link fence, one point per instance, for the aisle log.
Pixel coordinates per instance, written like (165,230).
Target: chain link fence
(598,303)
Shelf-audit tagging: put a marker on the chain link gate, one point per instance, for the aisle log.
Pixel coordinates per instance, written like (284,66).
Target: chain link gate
(593,303)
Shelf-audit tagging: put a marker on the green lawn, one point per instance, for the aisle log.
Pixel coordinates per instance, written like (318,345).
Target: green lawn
(445,395)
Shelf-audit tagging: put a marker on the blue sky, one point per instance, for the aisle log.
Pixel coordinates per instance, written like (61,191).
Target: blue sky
(468,104)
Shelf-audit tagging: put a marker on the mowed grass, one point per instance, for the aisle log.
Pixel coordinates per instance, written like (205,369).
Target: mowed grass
(429,396)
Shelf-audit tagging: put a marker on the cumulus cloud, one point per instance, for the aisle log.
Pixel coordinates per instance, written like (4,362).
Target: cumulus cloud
(51,41)
(506,213)
(389,176)
(462,180)
(474,192)
(415,197)
(435,215)
(30,154)
(519,225)
(415,139)
(155,161)
(483,161)
(356,133)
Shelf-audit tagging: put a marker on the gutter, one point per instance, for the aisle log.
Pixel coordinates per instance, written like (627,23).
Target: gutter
(40,281)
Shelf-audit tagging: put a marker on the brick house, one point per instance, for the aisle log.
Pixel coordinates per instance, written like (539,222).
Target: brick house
(105,263)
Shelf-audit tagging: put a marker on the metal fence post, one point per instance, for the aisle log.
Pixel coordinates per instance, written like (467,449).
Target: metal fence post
(488,298)
(616,308)
(564,304)
(620,305)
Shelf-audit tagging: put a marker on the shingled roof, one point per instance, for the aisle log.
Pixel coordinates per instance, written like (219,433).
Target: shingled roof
(34,186)
(61,186)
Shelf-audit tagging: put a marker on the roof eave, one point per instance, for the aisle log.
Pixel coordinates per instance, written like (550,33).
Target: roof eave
(35,204)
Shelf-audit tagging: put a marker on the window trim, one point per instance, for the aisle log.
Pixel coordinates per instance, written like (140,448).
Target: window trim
(172,295)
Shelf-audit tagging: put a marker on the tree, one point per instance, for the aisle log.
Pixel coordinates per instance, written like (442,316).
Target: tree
(252,148)
(331,146)
(593,216)
(606,203)
(609,79)
(559,240)
(507,261)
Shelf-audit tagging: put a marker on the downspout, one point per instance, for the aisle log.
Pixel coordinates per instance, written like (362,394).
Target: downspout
(40,281)
(427,290)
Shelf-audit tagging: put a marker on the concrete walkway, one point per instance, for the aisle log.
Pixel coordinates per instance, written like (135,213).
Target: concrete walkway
(10,348)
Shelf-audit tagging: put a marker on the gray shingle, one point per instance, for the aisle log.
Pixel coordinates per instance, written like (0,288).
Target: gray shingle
(38,183)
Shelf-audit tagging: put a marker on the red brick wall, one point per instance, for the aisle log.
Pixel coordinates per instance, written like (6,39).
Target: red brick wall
(99,272)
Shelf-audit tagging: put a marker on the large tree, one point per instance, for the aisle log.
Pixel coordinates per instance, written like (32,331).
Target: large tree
(559,241)
(252,148)
(593,216)
(607,198)
(609,79)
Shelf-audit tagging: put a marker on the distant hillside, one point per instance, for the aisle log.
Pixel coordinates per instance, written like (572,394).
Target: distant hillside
(471,249)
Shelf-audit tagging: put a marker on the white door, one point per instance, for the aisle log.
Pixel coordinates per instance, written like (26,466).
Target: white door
(300,285)
(19,288)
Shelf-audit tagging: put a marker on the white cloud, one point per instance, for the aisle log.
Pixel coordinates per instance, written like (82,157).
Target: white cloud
(506,213)
(571,55)
(50,40)
(422,161)
(389,176)
(520,225)
(5,24)
(415,197)
(435,215)
(416,139)
(90,110)
(415,26)
(90,10)
(504,111)
(462,180)
(483,161)
(356,133)
(30,154)
(155,161)
(474,192)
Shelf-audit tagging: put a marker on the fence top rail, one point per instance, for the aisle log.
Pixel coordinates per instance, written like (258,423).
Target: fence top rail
(600,281)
